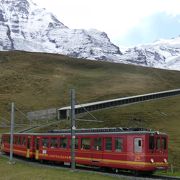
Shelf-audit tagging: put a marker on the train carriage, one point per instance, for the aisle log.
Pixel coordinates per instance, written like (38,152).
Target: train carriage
(133,149)
(23,144)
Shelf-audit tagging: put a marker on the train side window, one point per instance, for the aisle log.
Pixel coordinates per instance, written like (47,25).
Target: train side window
(164,143)
(8,140)
(45,142)
(108,144)
(4,139)
(85,143)
(119,144)
(37,144)
(24,140)
(138,145)
(158,143)
(76,143)
(19,140)
(151,142)
(98,144)
(15,140)
(63,142)
(28,143)
(54,143)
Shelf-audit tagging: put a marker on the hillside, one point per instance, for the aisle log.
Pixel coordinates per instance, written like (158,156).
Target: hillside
(37,81)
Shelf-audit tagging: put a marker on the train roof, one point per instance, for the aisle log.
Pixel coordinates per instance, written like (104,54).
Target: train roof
(93,131)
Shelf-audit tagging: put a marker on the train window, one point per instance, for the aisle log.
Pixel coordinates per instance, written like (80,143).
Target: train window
(4,139)
(63,142)
(85,143)
(8,139)
(98,144)
(151,142)
(164,143)
(15,140)
(28,143)
(119,144)
(76,143)
(45,142)
(37,144)
(108,144)
(24,141)
(158,143)
(19,140)
(138,145)
(54,143)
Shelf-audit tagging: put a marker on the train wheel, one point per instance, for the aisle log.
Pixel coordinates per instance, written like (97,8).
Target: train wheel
(115,170)
(136,173)
(106,169)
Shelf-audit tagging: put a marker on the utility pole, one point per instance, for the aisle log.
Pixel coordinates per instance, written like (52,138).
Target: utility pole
(12,132)
(73,128)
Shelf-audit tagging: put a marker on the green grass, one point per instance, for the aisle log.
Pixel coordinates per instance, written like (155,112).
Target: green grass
(24,171)
(37,81)
(169,173)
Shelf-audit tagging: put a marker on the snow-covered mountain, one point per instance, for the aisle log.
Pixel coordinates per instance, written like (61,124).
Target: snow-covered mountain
(25,26)
(160,54)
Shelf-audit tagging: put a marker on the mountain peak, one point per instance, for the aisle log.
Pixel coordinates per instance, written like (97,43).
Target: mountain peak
(27,27)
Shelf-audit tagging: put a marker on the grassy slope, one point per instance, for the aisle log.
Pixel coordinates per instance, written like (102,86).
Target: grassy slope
(23,171)
(36,81)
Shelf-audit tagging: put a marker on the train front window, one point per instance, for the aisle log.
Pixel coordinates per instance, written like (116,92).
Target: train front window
(158,143)
(164,143)
(151,142)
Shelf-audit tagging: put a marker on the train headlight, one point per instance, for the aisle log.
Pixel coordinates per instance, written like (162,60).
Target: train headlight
(165,160)
(152,160)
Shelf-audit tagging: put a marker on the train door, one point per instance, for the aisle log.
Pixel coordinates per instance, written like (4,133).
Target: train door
(37,145)
(97,154)
(138,148)
(28,146)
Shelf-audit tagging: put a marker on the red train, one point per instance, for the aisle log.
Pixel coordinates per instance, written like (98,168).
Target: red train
(135,149)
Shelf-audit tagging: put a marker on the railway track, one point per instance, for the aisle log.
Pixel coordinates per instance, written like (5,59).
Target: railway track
(120,174)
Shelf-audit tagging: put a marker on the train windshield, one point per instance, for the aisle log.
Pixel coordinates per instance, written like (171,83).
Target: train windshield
(157,142)
(151,142)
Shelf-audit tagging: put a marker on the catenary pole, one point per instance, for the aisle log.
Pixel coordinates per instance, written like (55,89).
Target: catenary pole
(73,128)
(12,132)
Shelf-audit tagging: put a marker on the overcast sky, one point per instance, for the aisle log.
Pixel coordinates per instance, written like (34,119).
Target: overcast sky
(127,22)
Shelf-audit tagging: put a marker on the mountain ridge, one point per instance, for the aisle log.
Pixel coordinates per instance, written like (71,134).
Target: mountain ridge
(27,27)
(30,28)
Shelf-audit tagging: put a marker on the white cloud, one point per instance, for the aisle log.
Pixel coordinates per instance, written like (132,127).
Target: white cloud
(115,17)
